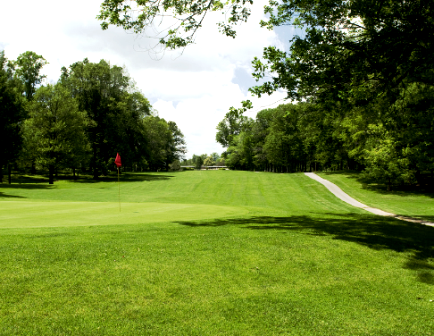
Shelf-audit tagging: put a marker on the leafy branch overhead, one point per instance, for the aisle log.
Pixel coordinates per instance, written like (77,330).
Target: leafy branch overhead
(350,49)
(354,50)
(187,17)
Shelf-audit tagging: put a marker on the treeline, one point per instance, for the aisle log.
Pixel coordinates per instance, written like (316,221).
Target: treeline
(310,137)
(79,124)
(198,161)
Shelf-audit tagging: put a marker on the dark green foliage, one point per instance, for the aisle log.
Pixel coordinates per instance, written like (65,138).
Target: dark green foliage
(12,114)
(232,125)
(92,113)
(57,126)
(28,67)
(176,144)
(198,162)
(280,139)
(115,114)
(164,142)
(356,48)
(366,65)
(190,15)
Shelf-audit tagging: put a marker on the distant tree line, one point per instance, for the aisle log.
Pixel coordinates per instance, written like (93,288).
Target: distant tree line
(198,161)
(93,112)
(314,136)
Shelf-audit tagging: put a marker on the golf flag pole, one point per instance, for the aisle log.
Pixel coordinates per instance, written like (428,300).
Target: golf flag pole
(118,163)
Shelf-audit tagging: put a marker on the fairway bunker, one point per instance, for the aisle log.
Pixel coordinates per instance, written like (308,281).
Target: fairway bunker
(26,214)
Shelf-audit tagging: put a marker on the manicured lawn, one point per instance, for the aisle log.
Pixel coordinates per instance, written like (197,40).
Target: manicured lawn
(408,203)
(233,253)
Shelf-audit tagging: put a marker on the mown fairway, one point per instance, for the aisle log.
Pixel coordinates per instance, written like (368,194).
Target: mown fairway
(207,253)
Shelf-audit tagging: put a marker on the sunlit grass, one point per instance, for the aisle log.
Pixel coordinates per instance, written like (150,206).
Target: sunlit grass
(297,261)
(407,203)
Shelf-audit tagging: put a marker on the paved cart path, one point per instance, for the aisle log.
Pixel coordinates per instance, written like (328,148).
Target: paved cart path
(334,189)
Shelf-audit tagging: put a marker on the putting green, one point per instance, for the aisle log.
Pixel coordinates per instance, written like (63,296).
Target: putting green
(14,214)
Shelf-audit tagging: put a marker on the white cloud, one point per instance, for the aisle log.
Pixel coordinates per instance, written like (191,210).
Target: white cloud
(194,89)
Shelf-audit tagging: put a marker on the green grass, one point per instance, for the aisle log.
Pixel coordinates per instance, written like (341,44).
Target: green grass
(293,260)
(408,203)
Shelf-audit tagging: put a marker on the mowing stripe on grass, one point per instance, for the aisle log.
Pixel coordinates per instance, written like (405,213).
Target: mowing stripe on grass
(15,214)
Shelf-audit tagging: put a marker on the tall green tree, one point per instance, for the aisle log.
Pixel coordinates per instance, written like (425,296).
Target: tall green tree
(232,124)
(28,68)
(177,144)
(215,156)
(59,127)
(115,110)
(12,114)
(198,162)
(158,139)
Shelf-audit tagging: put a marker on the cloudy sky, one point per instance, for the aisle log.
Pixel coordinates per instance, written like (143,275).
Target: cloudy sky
(195,89)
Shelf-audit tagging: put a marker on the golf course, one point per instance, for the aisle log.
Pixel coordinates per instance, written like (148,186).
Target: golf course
(212,253)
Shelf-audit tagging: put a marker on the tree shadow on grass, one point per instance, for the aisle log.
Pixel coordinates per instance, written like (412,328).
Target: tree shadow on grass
(3,195)
(4,187)
(26,179)
(24,182)
(375,232)
(27,186)
(126,177)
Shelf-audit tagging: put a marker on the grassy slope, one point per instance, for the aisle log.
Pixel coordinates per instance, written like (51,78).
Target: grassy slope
(300,263)
(235,188)
(253,193)
(399,202)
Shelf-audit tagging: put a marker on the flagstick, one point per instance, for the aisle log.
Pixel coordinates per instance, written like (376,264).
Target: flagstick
(119,183)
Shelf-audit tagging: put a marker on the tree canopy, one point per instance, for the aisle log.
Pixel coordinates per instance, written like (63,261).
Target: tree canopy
(188,17)
(58,127)
(354,49)
(12,113)
(27,69)
(93,112)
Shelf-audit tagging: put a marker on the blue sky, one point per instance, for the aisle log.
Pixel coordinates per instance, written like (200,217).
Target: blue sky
(195,89)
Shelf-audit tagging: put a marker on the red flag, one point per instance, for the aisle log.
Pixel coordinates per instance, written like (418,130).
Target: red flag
(118,161)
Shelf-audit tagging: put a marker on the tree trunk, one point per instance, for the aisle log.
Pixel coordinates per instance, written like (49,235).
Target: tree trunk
(1,173)
(418,177)
(33,168)
(9,173)
(73,174)
(95,173)
(95,169)
(51,174)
